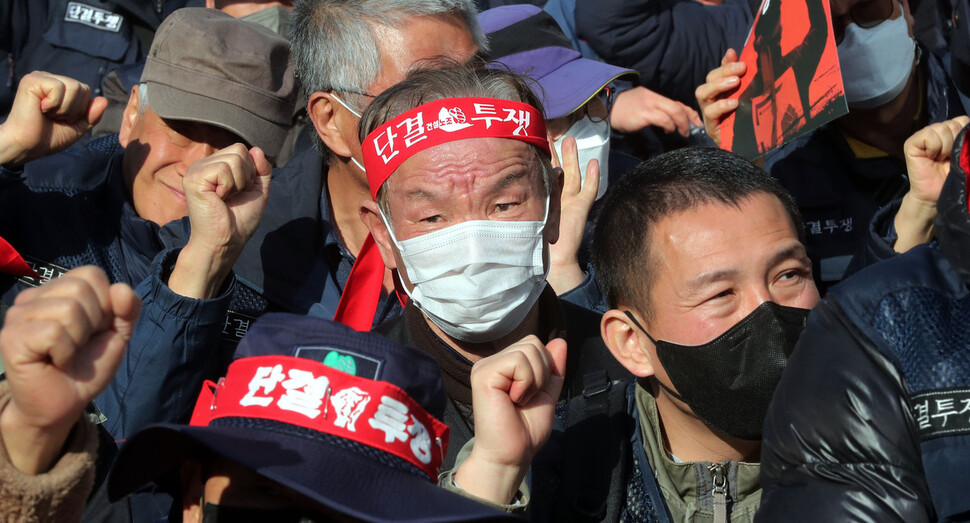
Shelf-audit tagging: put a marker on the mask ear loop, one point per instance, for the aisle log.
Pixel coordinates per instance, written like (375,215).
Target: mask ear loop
(666,388)
(637,323)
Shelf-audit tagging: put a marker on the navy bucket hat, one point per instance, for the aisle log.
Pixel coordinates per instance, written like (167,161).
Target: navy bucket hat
(345,418)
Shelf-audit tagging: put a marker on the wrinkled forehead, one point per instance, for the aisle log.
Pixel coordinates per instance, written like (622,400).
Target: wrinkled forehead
(468,168)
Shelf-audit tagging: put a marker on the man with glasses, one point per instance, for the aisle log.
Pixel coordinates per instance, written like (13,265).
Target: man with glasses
(843,172)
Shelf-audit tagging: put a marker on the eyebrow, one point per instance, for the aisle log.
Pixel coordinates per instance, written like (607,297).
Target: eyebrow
(419,193)
(702,280)
(508,180)
(796,250)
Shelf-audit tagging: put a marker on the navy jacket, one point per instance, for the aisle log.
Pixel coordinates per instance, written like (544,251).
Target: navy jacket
(672,44)
(72,209)
(884,433)
(884,357)
(838,193)
(82,39)
(294,263)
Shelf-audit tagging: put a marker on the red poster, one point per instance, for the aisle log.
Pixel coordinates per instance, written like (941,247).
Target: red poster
(793,83)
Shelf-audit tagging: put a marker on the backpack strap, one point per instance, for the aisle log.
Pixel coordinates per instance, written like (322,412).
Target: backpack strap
(596,452)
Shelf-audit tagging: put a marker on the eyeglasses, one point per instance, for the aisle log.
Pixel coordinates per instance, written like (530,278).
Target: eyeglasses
(607,96)
(597,112)
(865,14)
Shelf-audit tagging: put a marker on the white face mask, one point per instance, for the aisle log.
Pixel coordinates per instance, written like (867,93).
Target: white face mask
(876,62)
(476,280)
(592,142)
(358,115)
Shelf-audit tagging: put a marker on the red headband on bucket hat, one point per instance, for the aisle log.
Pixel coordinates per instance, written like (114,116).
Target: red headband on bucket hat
(348,419)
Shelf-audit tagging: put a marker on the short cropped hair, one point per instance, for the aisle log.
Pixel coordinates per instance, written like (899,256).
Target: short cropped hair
(665,185)
(451,80)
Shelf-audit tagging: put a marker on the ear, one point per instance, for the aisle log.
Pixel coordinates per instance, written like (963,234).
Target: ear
(625,342)
(129,117)
(370,214)
(192,488)
(551,232)
(322,111)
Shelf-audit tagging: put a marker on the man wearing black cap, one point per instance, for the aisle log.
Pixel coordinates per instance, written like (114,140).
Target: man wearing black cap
(215,101)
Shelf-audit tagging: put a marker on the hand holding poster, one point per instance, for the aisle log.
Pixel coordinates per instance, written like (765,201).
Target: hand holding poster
(793,83)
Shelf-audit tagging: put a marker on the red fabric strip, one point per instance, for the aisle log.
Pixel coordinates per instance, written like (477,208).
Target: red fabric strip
(309,394)
(12,263)
(362,292)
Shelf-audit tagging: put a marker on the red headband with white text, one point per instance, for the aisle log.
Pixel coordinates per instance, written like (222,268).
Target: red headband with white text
(447,120)
(312,395)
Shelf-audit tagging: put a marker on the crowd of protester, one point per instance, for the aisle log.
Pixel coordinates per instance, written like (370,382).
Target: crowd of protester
(447,260)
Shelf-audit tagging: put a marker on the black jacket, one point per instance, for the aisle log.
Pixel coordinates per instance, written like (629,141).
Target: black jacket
(82,39)
(871,420)
(672,44)
(587,355)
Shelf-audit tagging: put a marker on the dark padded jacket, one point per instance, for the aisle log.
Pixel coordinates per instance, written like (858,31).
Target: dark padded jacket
(82,39)
(839,193)
(871,420)
(673,44)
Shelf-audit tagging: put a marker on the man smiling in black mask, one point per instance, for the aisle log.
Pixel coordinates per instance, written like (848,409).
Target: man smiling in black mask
(700,256)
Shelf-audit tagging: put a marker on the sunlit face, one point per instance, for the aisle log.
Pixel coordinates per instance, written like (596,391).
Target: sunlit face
(158,153)
(473,179)
(714,264)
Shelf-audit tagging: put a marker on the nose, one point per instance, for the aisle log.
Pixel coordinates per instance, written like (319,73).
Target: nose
(755,298)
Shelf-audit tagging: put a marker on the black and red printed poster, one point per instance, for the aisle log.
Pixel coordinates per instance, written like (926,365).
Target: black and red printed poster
(793,83)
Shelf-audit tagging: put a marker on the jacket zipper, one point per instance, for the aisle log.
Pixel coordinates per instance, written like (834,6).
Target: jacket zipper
(719,492)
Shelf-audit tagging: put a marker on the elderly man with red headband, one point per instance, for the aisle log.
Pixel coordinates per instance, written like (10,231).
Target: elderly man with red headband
(465,205)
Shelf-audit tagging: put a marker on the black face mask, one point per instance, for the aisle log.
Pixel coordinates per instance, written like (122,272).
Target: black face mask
(213,513)
(728,382)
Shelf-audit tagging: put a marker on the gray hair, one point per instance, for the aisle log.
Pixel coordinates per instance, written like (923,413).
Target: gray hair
(452,81)
(334,42)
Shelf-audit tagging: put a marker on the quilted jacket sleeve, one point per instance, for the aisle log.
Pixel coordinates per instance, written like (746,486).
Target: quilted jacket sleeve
(840,442)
